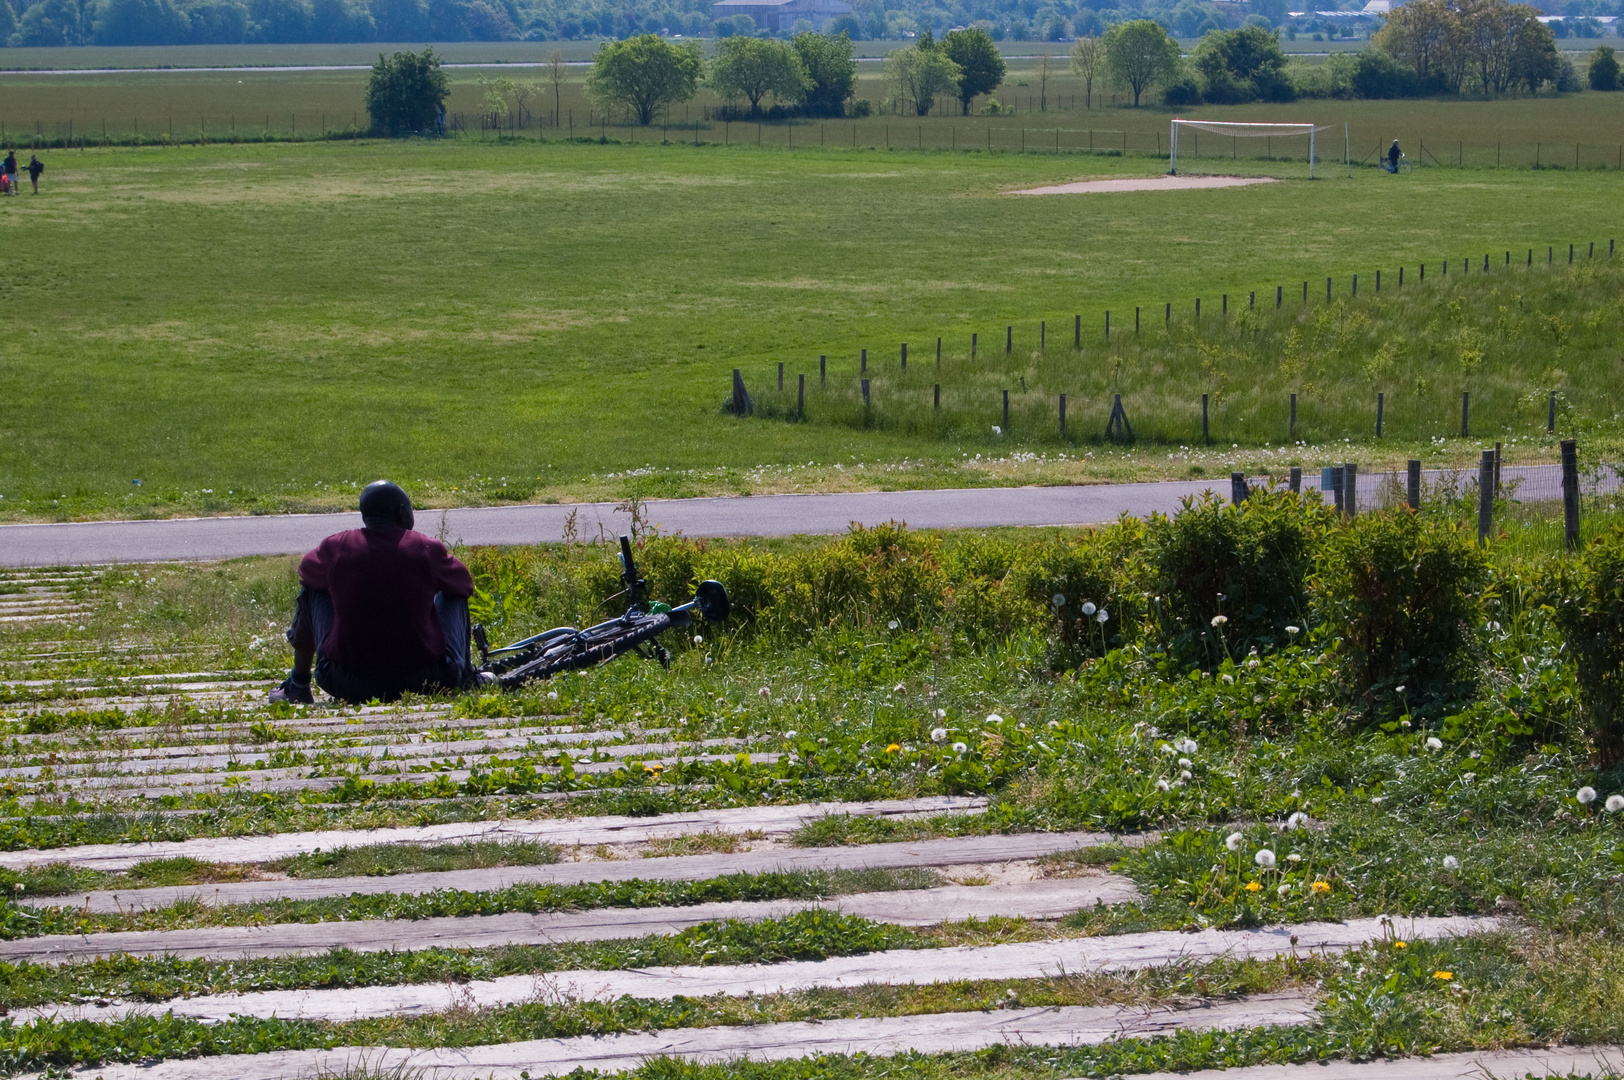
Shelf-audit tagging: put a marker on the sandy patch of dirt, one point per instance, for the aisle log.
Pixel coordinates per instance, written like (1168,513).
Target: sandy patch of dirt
(1145,183)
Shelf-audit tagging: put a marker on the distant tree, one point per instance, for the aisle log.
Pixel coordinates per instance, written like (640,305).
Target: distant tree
(8,21)
(1088,63)
(844,24)
(406,92)
(555,75)
(1603,67)
(920,72)
(1493,33)
(830,71)
(142,22)
(223,22)
(1243,65)
(53,22)
(279,21)
(752,68)
(981,65)
(401,20)
(1140,54)
(1534,59)
(1427,37)
(340,20)
(644,74)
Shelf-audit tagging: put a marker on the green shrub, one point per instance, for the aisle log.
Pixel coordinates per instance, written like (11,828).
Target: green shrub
(1591,617)
(1097,579)
(1404,594)
(1232,578)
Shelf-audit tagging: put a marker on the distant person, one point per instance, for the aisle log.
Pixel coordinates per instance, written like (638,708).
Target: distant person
(1393,156)
(383,610)
(35,167)
(10,167)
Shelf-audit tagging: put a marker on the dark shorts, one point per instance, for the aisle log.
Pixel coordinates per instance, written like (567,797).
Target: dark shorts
(313,618)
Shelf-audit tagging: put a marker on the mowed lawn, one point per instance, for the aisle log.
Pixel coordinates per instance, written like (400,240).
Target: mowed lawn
(263,324)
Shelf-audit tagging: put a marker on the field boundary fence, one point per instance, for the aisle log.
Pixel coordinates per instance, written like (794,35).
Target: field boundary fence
(1009,132)
(883,391)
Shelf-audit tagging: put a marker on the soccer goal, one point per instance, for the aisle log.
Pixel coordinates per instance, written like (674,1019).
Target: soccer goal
(1224,141)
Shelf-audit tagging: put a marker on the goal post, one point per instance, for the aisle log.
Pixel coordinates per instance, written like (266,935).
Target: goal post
(1271,135)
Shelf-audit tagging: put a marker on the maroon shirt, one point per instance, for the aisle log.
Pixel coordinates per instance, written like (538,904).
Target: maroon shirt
(383,581)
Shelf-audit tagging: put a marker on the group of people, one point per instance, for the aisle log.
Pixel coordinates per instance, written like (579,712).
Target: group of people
(8,173)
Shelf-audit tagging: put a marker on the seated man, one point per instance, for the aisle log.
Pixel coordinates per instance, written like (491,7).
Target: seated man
(383,610)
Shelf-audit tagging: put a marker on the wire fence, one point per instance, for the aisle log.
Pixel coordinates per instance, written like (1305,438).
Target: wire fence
(950,390)
(1054,132)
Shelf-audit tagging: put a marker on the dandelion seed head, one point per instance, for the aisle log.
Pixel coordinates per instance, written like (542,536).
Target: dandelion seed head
(1103,617)
(941,714)
(1282,891)
(1451,863)
(1233,841)
(893,624)
(1614,803)
(1586,795)
(1088,607)
(1058,600)
(1297,820)
(1184,763)
(1219,620)
(1294,858)
(1434,743)
(959,748)
(1264,858)
(994,718)
(1162,785)
(1294,630)
(938,735)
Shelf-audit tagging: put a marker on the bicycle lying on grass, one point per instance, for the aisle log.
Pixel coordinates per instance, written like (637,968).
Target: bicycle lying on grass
(566,648)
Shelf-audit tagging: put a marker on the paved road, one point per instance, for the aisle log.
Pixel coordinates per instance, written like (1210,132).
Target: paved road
(757,515)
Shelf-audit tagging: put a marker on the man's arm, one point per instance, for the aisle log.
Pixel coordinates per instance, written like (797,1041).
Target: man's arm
(450,575)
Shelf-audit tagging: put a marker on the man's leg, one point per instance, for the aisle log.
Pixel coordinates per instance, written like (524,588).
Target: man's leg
(312,619)
(455,627)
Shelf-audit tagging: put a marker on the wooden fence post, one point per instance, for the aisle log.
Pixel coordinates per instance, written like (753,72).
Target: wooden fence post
(1485,496)
(1381,401)
(904,356)
(1293,428)
(937,395)
(865,393)
(741,397)
(823,369)
(1006,411)
(864,369)
(1550,415)
(1204,436)
(1337,489)
(1062,414)
(1295,481)
(1077,332)
(1412,485)
(1570,493)
(1465,412)
(1350,488)
(800,397)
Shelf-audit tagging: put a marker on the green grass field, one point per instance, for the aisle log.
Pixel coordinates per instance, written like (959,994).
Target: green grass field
(258,327)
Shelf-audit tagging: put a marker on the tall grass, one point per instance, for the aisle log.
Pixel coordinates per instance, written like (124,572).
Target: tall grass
(1510,337)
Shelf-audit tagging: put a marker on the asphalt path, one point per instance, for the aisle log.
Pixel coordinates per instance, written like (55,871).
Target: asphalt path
(753,515)
(177,539)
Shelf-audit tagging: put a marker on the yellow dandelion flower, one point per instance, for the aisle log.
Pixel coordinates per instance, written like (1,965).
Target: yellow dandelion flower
(1321,886)
(1443,976)
(1401,945)
(893,748)
(1252,886)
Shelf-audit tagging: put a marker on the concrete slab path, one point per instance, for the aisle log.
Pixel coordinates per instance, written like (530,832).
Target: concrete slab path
(930,1033)
(948,851)
(606,829)
(898,967)
(1044,899)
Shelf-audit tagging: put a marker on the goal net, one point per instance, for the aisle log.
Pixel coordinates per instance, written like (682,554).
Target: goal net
(1207,146)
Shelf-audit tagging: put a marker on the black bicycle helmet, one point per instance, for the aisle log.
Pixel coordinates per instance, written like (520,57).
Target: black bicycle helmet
(384,504)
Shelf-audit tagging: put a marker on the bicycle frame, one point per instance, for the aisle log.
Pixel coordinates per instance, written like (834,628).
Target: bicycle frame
(566,648)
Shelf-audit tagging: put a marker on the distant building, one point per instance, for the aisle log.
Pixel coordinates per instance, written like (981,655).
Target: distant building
(782,15)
